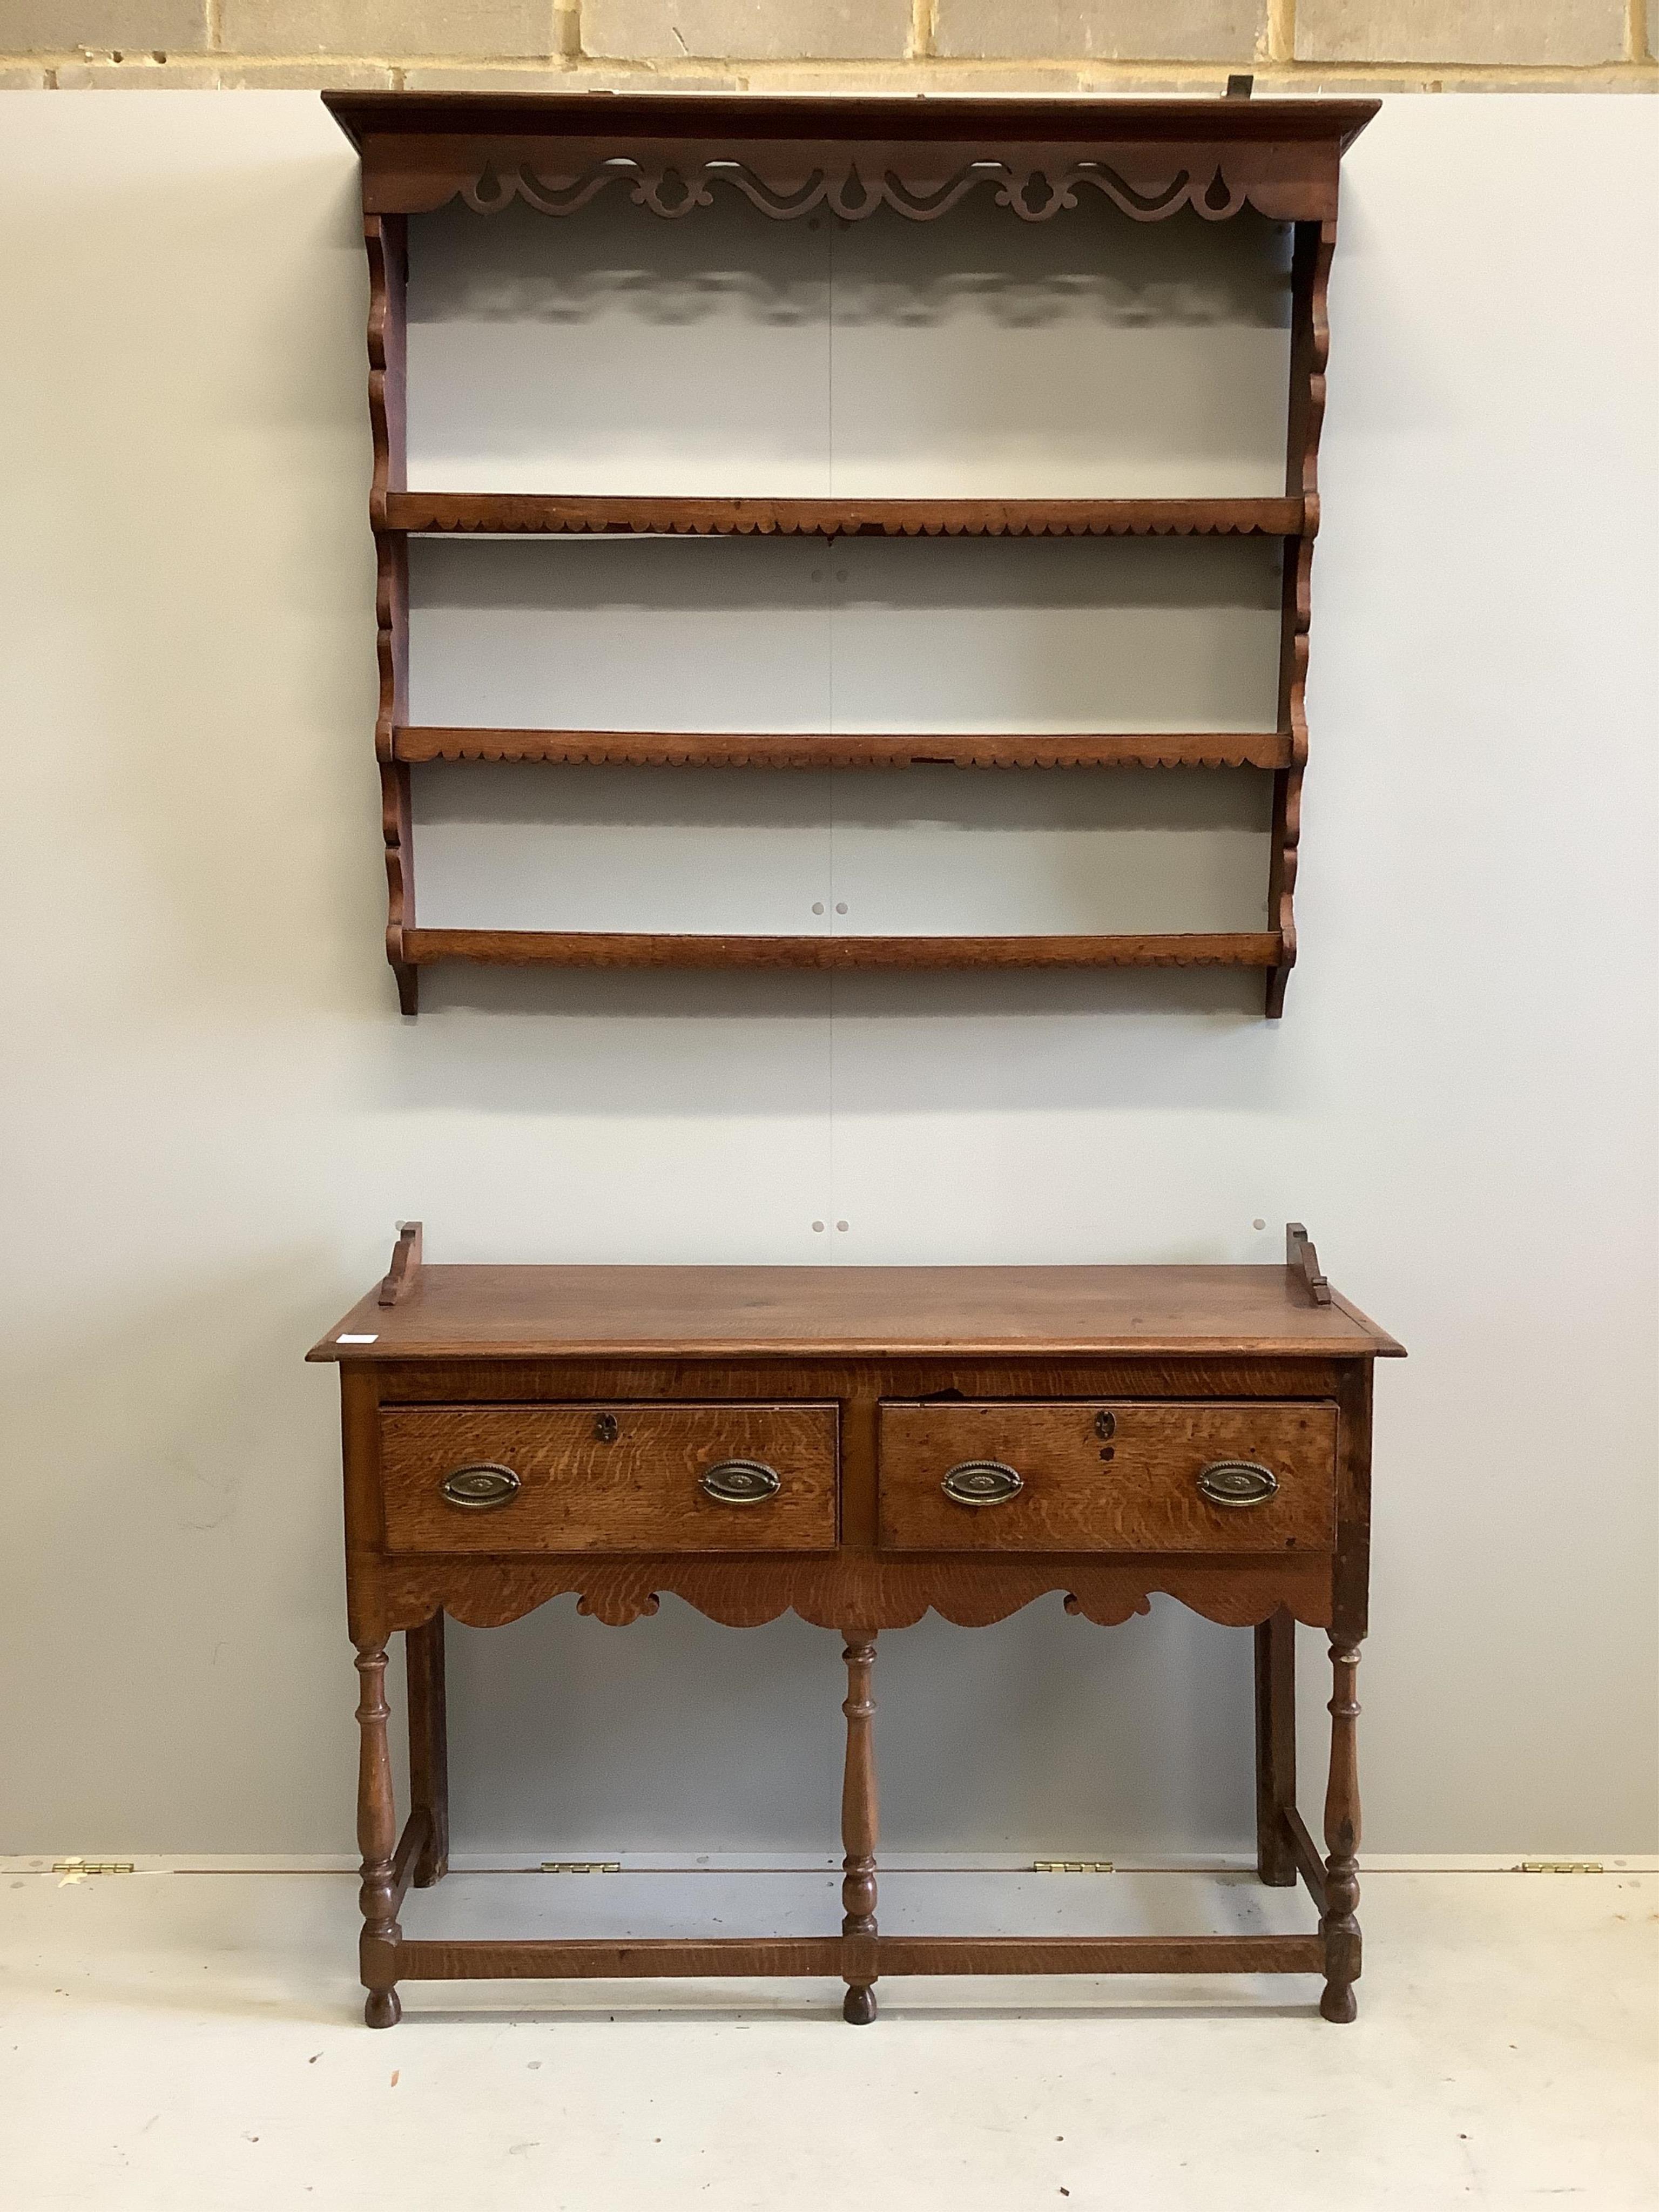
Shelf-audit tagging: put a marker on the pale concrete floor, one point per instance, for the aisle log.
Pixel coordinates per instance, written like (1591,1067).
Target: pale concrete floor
(182,2041)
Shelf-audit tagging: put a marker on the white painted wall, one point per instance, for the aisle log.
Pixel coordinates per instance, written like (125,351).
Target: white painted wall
(213,1114)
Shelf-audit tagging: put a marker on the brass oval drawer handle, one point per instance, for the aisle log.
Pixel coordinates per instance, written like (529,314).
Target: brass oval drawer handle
(480,1489)
(739,1482)
(981,1482)
(1237,1482)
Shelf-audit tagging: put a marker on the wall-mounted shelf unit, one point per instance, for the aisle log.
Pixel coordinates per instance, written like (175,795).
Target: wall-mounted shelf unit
(847,160)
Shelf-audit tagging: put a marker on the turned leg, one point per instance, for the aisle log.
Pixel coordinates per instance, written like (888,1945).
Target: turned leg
(858,1834)
(428,1746)
(1276,1747)
(1339,1926)
(377,1839)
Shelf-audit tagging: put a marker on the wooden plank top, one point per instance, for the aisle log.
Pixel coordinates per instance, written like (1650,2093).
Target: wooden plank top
(726,1312)
(880,117)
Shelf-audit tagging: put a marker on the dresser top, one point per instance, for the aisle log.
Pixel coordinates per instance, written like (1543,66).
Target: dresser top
(563,1312)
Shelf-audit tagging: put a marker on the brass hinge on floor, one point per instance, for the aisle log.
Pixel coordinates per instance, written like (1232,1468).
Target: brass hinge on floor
(72,1869)
(1560,1866)
(1071,1866)
(581,1866)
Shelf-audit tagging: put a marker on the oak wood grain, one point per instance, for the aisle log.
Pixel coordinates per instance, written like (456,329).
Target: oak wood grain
(377,1840)
(875,1590)
(849,160)
(599,1478)
(1098,1954)
(419,743)
(1276,1749)
(856,1381)
(435,513)
(406,1257)
(1120,1478)
(1339,1923)
(412,1846)
(428,1744)
(882,1314)
(1127,1376)
(1303,1260)
(365,1528)
(423,1959)
(849,118)
(1312,248)
(1304,1854)
(385,240)
(860,1822)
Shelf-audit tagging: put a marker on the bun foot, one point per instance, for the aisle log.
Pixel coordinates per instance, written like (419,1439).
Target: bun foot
(382,2009)
(858,2007)
(1339,2002)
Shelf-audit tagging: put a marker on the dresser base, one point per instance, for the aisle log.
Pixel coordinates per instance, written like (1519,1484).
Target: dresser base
(861,1956)
(859,1447)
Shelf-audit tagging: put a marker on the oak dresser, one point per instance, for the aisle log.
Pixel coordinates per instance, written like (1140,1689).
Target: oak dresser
(857,1444)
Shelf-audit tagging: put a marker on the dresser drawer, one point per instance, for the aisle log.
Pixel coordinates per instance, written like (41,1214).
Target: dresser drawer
(1106,1476)
(620,1478)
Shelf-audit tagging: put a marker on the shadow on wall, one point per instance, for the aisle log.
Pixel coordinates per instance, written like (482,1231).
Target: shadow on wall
(1042,1732)
(679,1043)
(1091,263)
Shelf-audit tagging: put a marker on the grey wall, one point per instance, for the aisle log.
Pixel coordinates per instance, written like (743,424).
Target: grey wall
(213,1114)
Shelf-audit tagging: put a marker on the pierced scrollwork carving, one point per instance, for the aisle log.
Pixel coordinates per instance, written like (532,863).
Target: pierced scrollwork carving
(854,186)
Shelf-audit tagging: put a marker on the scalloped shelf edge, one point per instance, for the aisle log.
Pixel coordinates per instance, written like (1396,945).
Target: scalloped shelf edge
(517,514)
(419,743)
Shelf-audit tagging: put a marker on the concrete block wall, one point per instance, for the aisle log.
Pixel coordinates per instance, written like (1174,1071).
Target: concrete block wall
(898,46)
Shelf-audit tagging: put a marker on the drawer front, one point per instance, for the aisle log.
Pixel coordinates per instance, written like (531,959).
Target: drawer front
(1109,1477)
(504,1478)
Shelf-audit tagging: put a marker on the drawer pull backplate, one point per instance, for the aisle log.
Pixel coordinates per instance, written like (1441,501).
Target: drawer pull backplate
(981,1482)
(1237,1482)
(739,1482)
(480,1489)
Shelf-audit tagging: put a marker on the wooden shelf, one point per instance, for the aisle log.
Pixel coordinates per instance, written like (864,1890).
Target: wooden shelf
(1270,748)
(523,513)
(526,948)
(814,159)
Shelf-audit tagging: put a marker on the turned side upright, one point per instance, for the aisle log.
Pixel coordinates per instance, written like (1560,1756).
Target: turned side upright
(1340,1923)
(377,1839)
(1285,1852)
(858,1833)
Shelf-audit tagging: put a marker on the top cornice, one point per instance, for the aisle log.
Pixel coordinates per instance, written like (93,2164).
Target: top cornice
(851,116)
(789,155)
